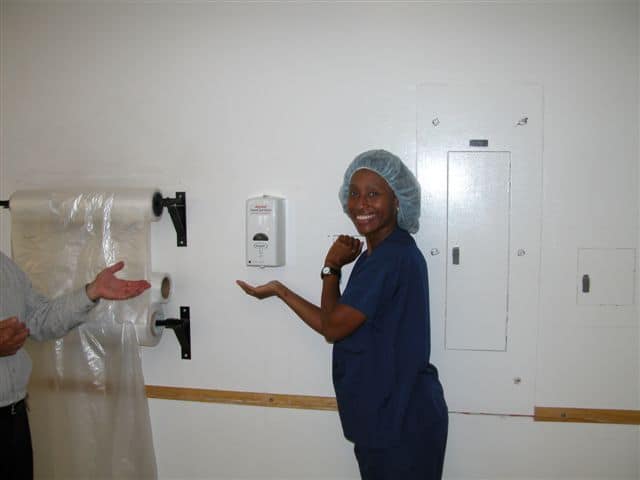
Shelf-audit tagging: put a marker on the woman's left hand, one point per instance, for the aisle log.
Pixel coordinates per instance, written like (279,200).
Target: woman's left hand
(269,289)
(343,251)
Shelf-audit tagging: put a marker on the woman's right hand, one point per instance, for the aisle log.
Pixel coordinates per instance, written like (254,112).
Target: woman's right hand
(343,251)
(270,289)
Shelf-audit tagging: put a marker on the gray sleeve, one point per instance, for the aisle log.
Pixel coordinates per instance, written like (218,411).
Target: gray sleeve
(49,319)
(45,318)
(53,318)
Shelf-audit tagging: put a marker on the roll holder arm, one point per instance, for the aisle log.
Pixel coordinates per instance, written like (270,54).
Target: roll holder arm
(182,328)
(178,210)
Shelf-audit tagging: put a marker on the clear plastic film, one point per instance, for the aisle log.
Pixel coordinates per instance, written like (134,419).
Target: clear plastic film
(89,412)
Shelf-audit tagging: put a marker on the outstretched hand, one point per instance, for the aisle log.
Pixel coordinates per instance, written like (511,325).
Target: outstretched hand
(270,289)
(13,334)
(106,285)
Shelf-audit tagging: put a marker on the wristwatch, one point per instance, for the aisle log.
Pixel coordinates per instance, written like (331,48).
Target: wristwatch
(326,270)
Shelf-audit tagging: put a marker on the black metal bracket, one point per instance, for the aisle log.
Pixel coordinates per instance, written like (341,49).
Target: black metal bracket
(182,328)
(178,210)
(4,203)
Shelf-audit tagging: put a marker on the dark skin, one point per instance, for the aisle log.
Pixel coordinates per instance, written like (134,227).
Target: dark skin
(372,207)
(13,333)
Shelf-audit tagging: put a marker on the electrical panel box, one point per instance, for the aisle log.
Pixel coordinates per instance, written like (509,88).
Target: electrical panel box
(479,162)
(265,241)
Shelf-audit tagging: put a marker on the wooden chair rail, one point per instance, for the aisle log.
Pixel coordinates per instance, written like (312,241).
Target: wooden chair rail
(307,402)
(587,415)
(310,402)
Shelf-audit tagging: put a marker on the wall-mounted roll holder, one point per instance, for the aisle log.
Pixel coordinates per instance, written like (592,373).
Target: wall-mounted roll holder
(182,328)
(178,210)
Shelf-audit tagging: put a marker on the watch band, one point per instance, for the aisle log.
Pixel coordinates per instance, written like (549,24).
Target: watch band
(326,271)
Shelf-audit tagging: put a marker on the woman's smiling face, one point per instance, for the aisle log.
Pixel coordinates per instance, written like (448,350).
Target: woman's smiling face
(372,206)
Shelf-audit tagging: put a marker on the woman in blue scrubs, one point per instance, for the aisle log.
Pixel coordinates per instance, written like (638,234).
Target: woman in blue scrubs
(390,400)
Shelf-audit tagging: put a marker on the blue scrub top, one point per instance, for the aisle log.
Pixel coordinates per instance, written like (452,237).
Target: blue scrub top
(381,371)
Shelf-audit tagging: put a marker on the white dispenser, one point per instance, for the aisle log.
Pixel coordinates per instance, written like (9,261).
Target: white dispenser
(265,231)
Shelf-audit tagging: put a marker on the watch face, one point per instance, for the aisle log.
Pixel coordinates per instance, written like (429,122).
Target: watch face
(326,271)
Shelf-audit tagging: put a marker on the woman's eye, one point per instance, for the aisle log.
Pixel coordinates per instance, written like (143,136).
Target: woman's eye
(353,193)
(372,194)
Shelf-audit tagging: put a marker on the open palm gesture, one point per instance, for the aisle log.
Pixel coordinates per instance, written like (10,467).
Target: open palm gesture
(106,285)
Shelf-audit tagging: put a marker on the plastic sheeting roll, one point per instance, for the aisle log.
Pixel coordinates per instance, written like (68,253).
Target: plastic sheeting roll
(92,229)
(83,207)
(148,332)
(62,239)
(160,287)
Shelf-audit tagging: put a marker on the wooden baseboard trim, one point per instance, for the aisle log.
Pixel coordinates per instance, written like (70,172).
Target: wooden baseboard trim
(307,402)
(586,415)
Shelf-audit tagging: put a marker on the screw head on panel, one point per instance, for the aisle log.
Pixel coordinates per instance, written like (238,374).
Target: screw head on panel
(435,122)
(522,252)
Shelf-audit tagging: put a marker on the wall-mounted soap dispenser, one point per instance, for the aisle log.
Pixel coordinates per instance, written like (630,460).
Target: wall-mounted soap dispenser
(265,231)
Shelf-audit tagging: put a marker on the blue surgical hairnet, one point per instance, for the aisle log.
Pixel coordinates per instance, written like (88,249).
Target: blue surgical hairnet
(403,183)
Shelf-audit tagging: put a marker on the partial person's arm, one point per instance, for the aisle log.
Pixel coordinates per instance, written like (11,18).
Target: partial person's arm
(331,319)
(48,318)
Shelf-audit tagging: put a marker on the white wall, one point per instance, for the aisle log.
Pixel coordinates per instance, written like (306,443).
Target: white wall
(226,101)
(638,37)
